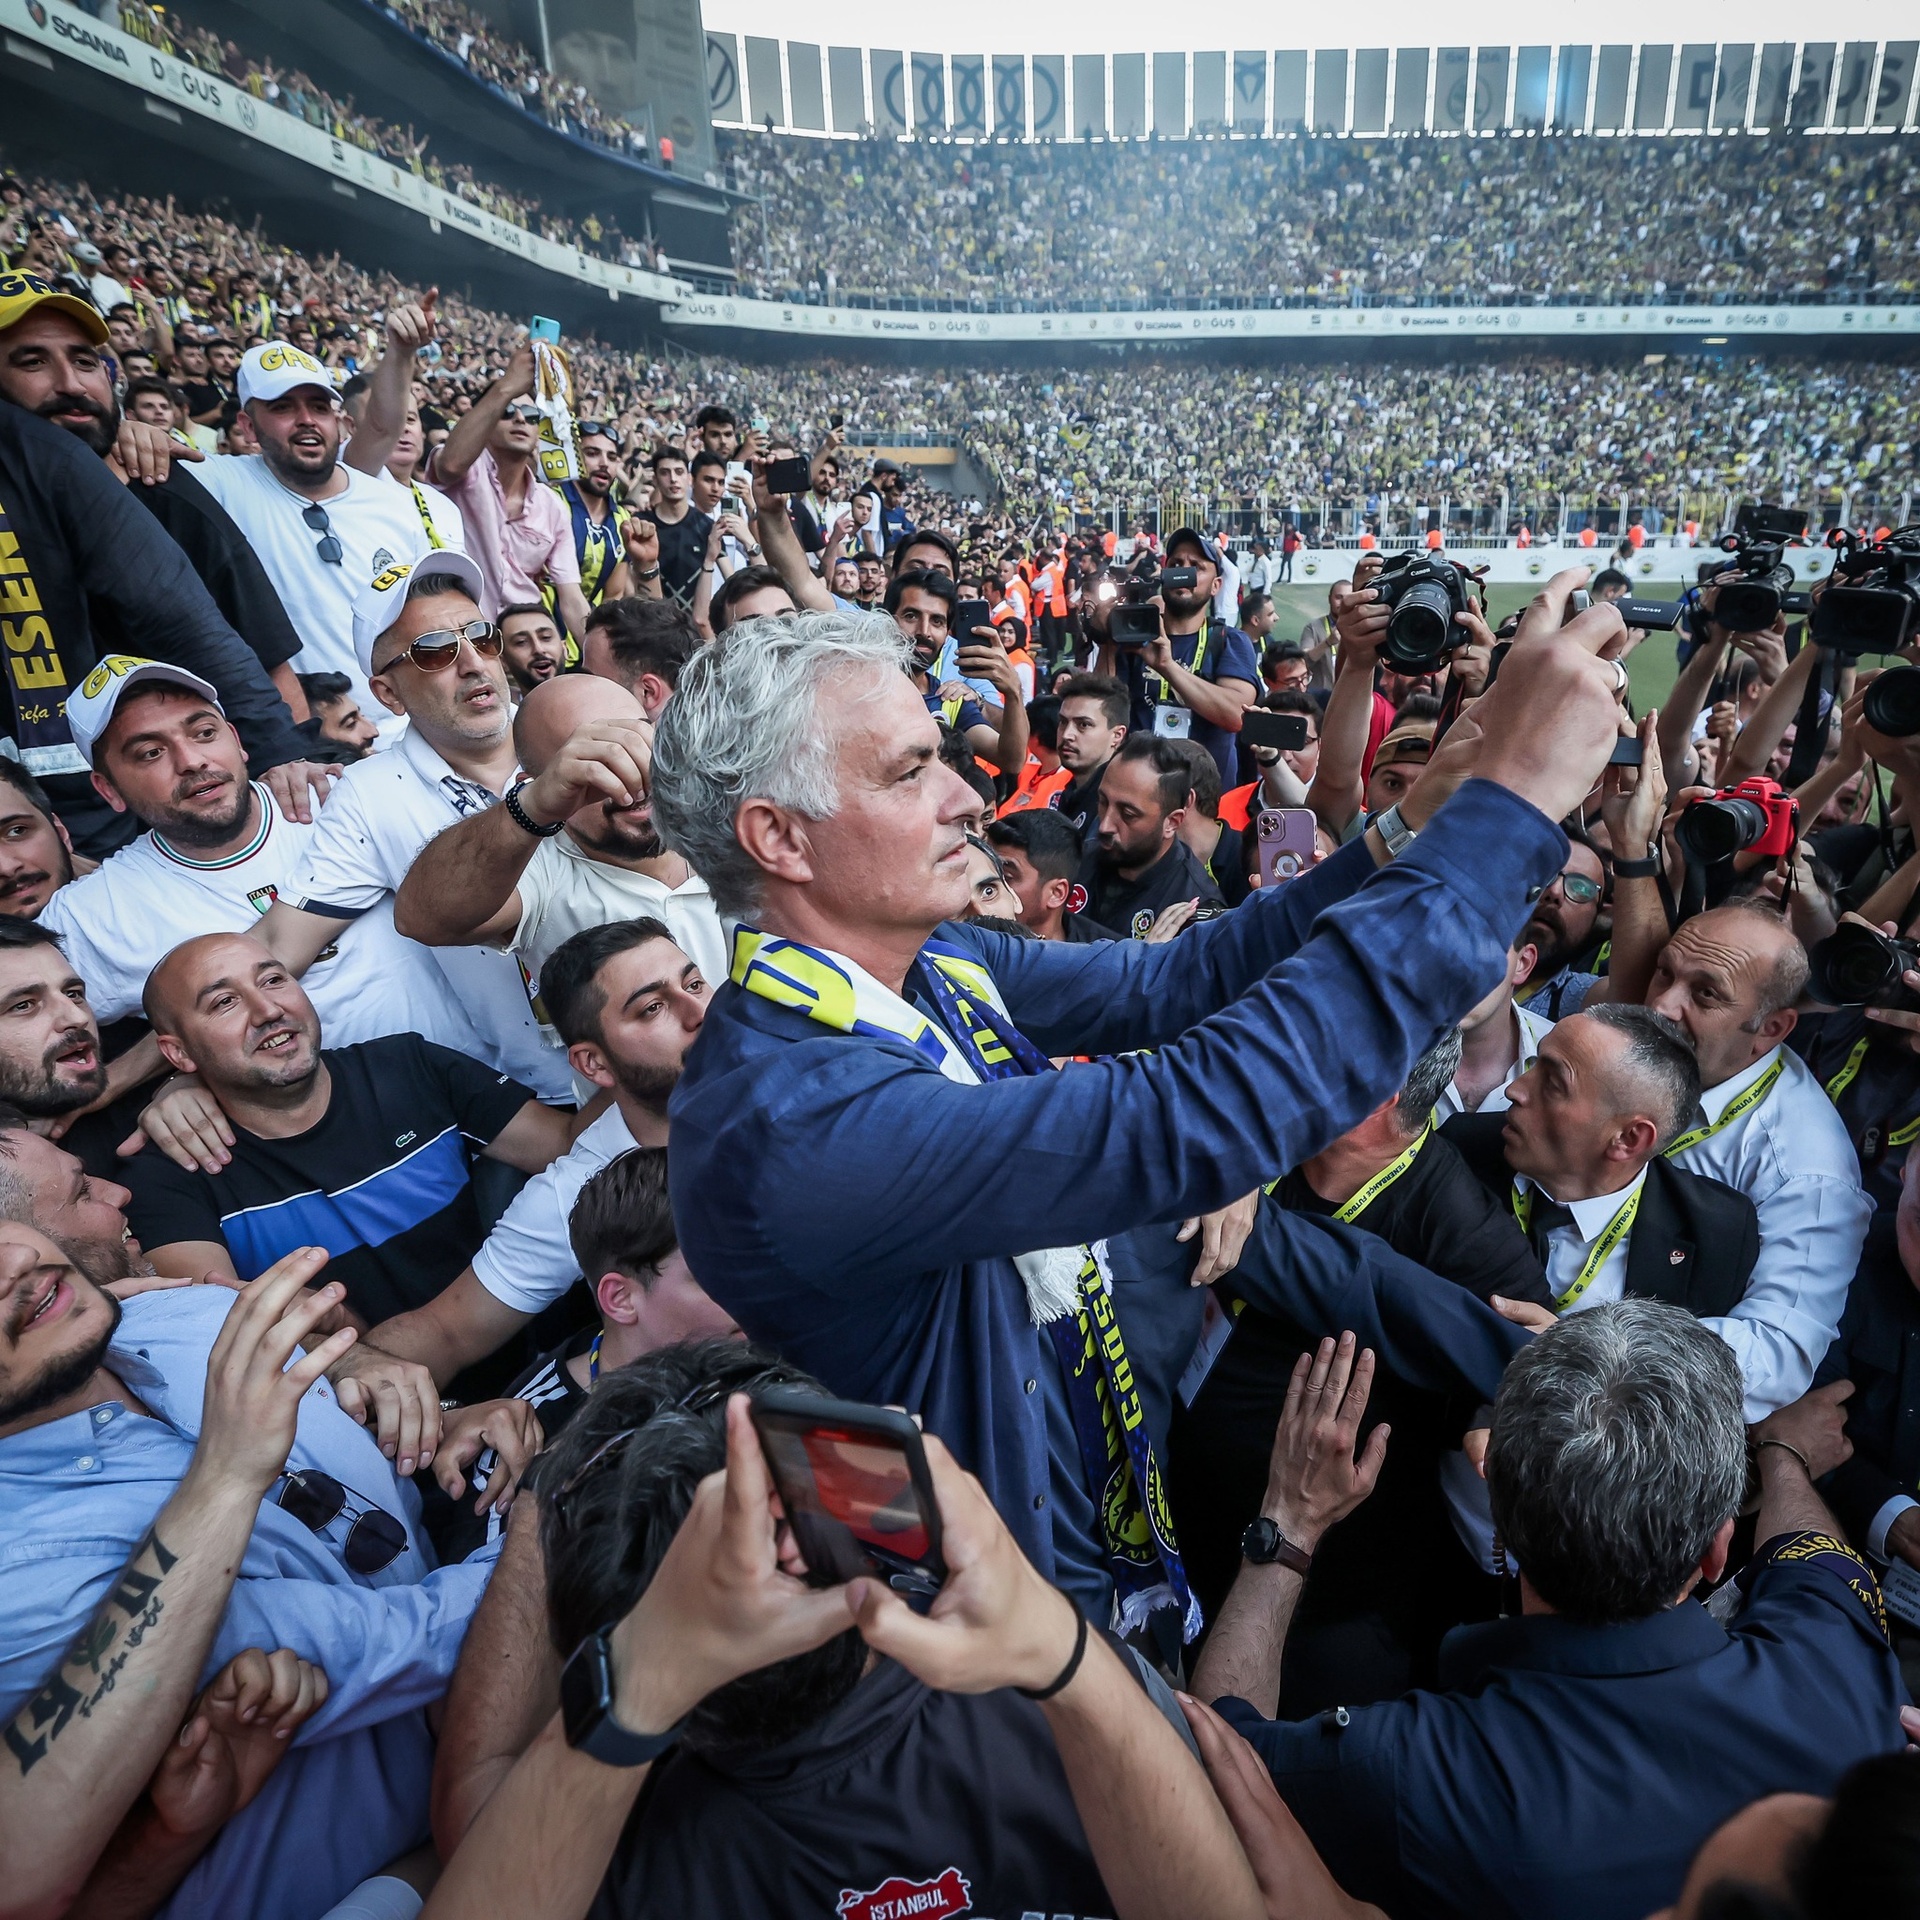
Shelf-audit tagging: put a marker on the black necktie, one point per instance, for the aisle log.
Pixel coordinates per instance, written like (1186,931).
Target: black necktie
(1545,1216)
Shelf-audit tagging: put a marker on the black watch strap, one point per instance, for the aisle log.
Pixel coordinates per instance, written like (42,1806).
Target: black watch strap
(586,1708)
(1637,869)
(523,819)
(1264,1545)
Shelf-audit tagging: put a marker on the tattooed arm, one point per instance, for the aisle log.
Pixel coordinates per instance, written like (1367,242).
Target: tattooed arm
(78,1753)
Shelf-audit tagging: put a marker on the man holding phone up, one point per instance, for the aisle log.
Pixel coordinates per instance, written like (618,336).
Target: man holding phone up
(1200,675)
(861,1041)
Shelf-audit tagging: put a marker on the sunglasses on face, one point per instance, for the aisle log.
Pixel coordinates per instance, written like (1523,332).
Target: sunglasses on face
(375,1539)
(435,652)
(329,548)
(522,410)
(1579,890)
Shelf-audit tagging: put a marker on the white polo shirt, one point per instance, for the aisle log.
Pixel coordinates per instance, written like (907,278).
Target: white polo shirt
(376,523)
(119,922)
(564,889)
(382,812)
(527,1261)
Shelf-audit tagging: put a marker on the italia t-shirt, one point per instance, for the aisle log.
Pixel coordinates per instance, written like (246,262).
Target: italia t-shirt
(383,1182)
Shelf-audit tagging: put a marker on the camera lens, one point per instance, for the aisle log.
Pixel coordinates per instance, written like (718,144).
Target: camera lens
(1420,631)
(1714,830)
(1892,703)
(1853,966)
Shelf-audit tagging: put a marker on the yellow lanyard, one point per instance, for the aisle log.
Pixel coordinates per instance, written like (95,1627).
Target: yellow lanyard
(1382,1180)
(1741,1103)
(1841,1081)
(1166,692)
(426,516)
(1611,1235)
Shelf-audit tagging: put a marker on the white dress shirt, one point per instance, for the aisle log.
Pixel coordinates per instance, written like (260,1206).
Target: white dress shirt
(1791,1157)
(1526,1028)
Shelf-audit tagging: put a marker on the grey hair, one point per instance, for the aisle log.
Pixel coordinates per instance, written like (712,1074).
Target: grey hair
(745,724)
(1618,1450)
(1660,1060)
(1427,1079)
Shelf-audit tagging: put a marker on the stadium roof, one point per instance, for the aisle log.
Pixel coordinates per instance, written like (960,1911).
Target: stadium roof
(1072,26)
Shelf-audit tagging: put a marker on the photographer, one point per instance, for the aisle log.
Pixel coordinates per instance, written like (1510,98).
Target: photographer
(1196,679)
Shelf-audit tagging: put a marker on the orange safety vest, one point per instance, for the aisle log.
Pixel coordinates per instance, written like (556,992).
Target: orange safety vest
(1236,805)
(1036,789)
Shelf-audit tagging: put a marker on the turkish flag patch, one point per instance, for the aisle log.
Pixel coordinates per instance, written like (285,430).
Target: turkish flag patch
(1077,899)
(898,1898)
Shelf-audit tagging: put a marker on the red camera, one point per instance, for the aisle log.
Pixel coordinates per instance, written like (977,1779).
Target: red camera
(1757,816)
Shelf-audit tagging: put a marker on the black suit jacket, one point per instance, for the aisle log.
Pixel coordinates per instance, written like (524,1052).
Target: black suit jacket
(1694,1240)
(1878,1349)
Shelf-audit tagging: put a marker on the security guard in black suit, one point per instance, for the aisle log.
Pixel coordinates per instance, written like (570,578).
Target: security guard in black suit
(1610,1088)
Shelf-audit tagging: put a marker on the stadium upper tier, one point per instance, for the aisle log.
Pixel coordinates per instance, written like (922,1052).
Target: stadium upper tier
(1555,219)
(1558,440)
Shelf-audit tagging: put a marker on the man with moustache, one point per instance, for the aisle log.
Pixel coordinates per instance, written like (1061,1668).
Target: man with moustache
(532,649)
(432,659)
(922,603)
(599,541)
(36,853)
(575,847)
(51,364)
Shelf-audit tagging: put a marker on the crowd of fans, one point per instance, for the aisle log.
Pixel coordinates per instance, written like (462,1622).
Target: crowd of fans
(1396,1219)
(294,92)
(1535,433)
(1320,221)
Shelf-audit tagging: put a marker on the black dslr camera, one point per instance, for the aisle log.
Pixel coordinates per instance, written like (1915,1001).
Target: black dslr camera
(1423,595)
(1872,603)
(1135,621)
(1858,966)
(1891,704)
(1757,587)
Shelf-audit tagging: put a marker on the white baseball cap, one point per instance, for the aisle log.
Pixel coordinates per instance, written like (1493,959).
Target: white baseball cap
(273,368)
(90,711)
(377,604)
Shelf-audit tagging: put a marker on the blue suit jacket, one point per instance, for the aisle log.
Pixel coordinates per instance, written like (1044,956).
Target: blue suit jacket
(827,1188)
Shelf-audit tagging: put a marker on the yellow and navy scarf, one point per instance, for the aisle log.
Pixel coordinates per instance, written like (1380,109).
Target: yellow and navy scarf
(975,1040)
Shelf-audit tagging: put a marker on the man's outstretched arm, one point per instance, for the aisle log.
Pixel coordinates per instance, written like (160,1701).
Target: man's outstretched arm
(82,1747)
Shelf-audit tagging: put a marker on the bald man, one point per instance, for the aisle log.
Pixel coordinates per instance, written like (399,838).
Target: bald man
(573,847)
(366,1150)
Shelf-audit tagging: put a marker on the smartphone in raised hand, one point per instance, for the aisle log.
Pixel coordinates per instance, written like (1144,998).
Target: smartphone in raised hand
(854,1484)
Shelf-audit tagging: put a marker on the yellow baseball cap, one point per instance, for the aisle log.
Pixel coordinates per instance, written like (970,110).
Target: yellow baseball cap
(22,293)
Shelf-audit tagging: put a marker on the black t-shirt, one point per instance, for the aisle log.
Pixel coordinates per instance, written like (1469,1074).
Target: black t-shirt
(382,1182)
(1131,907)
(900,1801)
(683,550)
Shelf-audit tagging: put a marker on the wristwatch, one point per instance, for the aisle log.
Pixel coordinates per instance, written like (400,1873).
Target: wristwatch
(1393,830)
(586,1709)
(1261,1545)
(523,819)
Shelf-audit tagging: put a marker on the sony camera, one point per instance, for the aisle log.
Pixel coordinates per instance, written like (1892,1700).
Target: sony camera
(1757,816)
(1423,595)
(1135,620)
(1872,603)
(1756,587)
(1858,966)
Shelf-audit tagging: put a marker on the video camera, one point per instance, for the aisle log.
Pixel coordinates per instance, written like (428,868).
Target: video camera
(1757,816)
(1891,703)
(1859,966)
(1757,587)
(1135,620)
(1872,603)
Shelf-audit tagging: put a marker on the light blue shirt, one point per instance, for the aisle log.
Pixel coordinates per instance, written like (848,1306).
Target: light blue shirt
(79,1493)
